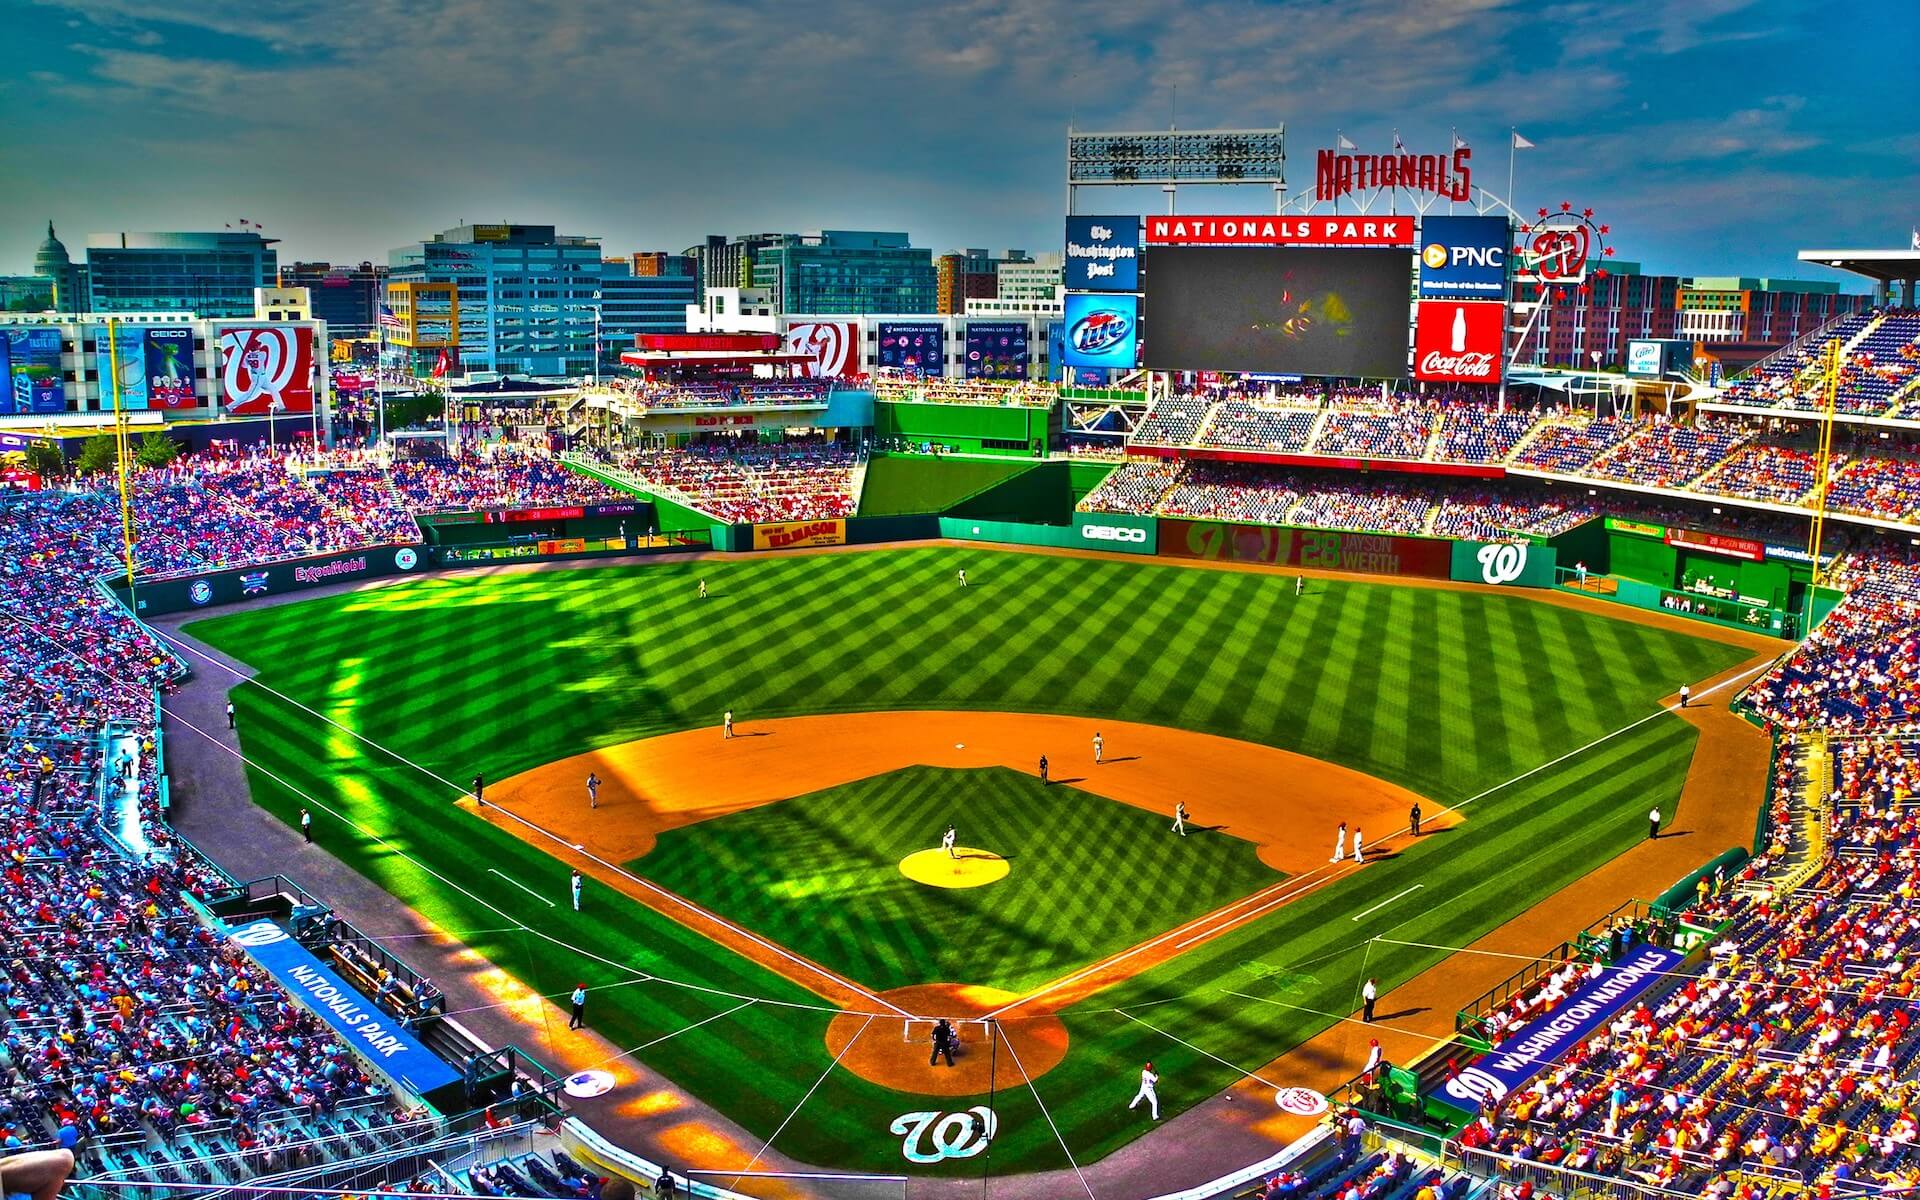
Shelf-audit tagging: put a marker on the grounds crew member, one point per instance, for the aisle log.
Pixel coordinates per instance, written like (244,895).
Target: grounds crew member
(306,826)
(579,1019)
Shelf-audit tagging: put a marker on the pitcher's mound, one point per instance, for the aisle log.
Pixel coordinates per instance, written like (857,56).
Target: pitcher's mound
(892,1051)
(966,867)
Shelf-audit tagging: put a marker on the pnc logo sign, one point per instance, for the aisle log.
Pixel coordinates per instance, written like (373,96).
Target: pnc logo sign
(1437,256)
(1501,563)
(1112,533)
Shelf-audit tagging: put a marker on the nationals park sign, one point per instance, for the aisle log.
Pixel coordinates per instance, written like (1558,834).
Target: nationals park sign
(1280,231)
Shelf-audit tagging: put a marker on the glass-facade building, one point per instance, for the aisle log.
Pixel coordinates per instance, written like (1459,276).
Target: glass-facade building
(207,274)
(841,271)
(632,304)
(527,295)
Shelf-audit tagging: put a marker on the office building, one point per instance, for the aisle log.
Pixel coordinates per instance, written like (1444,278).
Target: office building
(282,304)
(527,295)
(208,274)
(722,262)
(971,274)
(835,271)
(342,296)
(645,293)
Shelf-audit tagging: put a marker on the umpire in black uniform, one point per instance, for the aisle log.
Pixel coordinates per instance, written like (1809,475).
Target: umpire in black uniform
(944,1040)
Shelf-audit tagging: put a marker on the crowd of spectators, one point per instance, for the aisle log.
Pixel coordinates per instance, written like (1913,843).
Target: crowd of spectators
(1667,455)
(1403,433)
(988,393)
(741,480)
(507,477)
(1881,360)
(672,394)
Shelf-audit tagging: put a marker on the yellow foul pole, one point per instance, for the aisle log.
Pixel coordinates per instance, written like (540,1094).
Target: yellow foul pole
(1822,466)
(120,442)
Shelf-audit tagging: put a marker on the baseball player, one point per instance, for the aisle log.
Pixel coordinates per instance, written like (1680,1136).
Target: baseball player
(703,589)
(593,790)
(1686,694)
(1299,584)
(1180,818)
(1099,745)
(576,884)
(1359,853)
(1339,843)
(963,577)
(1147,1081)
(1413,818)
(1043,768)
(479,789)
(726,725)
(946,842)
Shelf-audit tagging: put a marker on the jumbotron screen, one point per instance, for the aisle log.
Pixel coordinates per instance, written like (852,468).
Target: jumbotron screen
(1278,310)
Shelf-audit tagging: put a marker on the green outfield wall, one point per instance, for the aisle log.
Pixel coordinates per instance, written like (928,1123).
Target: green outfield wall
(967,428)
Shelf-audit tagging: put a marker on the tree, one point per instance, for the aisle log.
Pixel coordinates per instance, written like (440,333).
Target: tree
(45,460)
(156,450)
(98,453)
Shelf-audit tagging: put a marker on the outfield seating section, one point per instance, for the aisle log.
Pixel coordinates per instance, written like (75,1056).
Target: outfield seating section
(781,481)
(1880,369)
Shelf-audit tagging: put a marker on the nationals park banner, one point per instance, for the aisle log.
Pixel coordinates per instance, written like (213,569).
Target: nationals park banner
(373,1034)
(1535,1045)
(786,535)
(1505,564)
(1318,549)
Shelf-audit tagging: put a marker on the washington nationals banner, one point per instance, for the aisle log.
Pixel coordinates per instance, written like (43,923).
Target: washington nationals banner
(1504,564)
(832,346)
(374,1034)
(1535,1045)
(262,364)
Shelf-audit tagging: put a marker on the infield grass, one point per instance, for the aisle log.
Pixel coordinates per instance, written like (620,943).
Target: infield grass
(1447,692)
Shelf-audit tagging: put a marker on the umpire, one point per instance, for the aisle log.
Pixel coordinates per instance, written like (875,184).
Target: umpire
(944,1041)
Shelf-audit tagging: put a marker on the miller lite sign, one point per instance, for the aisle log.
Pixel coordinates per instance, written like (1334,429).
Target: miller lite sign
(1459,341)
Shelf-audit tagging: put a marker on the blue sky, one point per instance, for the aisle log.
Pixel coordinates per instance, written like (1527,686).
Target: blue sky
(1715,136)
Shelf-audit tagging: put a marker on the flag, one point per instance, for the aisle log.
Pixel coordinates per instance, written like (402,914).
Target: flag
(1399,147)
(1916,238)
(1459,143)
(1520,143)
(388,320)
(442,365)
(1344,144)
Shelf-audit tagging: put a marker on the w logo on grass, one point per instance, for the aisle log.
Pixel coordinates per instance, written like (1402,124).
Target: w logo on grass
(1502,563)
(953,1135)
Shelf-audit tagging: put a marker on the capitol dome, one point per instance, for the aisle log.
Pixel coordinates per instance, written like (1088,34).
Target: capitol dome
(51,259)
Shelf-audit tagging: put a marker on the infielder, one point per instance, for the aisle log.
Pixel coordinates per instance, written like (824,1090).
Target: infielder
(726,725)
(1339,843)
(577,882)
(1099,745)
(593,790)
(1359,854)
(946,842)
(1147,1081)
(1180,818)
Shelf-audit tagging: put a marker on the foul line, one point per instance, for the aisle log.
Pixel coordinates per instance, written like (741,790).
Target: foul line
(768,1145)
(615,868)
(1211,925)
(1197,1050)
(1041,1104)
(1389,900)
(523,887)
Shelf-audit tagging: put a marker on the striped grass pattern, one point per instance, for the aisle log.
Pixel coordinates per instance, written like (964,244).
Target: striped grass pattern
(1446,692)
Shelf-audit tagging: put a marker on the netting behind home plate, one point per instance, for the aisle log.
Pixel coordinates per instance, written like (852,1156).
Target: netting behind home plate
(788,1185)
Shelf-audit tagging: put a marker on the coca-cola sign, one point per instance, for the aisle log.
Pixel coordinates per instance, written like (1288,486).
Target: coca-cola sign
(1459,341)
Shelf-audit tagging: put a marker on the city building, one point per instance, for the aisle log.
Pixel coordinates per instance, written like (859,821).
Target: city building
(208,274)
(282,304)
(429,322)
(1031,278)
(528,296)
(722,262)
(971,274)
(342,296)
(26,293)
(635,301)
(1009,346)
(832,271)
(67,283)
(1737,321)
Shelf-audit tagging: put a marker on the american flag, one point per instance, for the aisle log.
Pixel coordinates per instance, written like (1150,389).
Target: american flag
(388,320)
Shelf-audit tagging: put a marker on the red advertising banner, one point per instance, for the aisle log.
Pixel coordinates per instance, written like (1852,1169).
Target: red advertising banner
(1459,341)
(1280,231)
(1717,543)
(261,364)
(1318,549)
(834,347)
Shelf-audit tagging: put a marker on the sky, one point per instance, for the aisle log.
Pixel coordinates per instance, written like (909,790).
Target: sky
(1715,137)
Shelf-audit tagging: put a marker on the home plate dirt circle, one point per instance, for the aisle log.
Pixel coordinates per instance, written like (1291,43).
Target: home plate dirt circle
(966,867)
(892,1051)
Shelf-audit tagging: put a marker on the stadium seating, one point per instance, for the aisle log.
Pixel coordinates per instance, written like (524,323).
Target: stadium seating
(507,478)
(751,481)
(1666,455)
(1475,433)
(1400,434)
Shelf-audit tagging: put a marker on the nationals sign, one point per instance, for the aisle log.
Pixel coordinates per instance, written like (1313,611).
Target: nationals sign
(260,364)
(833,346)
(1280,231)
(1337,174)
(1459,341)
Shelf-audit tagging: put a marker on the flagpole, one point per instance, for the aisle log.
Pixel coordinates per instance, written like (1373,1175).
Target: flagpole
(1513,149)
(379,376)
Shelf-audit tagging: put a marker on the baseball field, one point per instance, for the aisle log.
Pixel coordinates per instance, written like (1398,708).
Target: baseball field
(752,926)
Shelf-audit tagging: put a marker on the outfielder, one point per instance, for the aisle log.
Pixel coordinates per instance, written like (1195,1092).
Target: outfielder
(1147,1081)
(963,577)
(703,589)
(593,790)
(1180,818)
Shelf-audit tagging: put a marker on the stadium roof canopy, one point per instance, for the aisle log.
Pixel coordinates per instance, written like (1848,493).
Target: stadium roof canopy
(1883,266)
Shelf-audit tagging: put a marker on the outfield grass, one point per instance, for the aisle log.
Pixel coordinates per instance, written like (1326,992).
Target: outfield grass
(820,874)
(1448,692)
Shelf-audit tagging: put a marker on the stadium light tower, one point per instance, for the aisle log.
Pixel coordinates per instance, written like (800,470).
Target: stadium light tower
(1170,158)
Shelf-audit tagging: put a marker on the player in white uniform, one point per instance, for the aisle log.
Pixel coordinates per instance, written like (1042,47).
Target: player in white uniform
(946,842)
(703,589)
(1099,746)
(1359,852)
(1180,818)
(1147,1081)
(963,577)
(1339,843)
(577,882)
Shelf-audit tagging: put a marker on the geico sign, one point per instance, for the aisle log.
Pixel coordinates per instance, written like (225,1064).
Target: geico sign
(1112,533)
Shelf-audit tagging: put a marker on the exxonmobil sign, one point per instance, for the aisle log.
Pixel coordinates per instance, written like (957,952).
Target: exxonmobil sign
(1280,231)
(1459,341)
